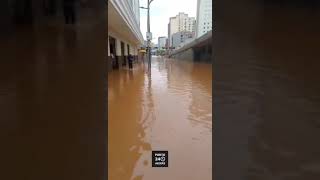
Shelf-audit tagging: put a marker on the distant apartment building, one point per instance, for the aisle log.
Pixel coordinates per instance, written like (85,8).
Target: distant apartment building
(162,42)
(181,38)
(204,17)
(124,32)
(180,23)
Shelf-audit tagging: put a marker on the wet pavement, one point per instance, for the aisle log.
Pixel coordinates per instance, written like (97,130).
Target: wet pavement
(170,110)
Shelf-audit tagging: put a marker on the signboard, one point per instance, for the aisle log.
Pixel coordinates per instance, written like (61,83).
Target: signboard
(149,36)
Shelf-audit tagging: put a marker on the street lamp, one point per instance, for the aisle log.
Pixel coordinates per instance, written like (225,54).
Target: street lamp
(148,34)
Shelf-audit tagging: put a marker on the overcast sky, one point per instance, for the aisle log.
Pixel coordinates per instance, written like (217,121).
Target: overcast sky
(160,12)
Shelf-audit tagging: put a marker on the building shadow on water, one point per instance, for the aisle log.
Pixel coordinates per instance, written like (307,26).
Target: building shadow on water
(284,146)
(265,75)
(52,110)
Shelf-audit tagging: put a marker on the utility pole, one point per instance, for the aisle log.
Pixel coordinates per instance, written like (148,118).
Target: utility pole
(149,37)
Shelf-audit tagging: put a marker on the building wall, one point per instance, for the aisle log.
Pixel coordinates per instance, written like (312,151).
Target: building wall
(201,54)
(174,27)
(176,39)
(136,10)
(181,37)
(122,58)
(186,23)
(168,40)
(134,6)
(124,26)
(190,24)
(181,17)
(180,23)
(204,17)
(129,13)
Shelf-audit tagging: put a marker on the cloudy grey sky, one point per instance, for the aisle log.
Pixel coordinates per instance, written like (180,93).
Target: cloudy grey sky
(160,12)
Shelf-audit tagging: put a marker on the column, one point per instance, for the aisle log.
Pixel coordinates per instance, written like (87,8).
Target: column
(118,47)
(118,52)
(108,46)
(131,49)
(109,60)
(136,53)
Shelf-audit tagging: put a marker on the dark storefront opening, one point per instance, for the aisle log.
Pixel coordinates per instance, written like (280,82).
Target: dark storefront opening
(124,63)
(128,50)
(112,41)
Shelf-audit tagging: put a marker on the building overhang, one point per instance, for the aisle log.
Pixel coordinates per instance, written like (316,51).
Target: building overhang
(121,20)
(199,42)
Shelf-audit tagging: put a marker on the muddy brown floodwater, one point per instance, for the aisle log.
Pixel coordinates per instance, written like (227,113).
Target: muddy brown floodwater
(170,110)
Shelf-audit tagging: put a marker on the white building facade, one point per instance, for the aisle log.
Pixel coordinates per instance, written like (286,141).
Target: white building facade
(124,35)
(204,17)
(180,23)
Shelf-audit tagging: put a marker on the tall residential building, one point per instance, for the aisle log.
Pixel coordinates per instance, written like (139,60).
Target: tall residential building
(180,23)
(204,17)
(162,42)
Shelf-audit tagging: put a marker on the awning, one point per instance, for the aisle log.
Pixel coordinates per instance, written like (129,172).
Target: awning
(142,51)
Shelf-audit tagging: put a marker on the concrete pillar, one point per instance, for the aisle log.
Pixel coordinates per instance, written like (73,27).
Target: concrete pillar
(131,49)
(135,55)
(108,46)
(118,47)
(125,54)
(109,60)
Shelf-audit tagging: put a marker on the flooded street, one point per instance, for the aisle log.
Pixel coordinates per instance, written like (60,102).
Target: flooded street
(170,110)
